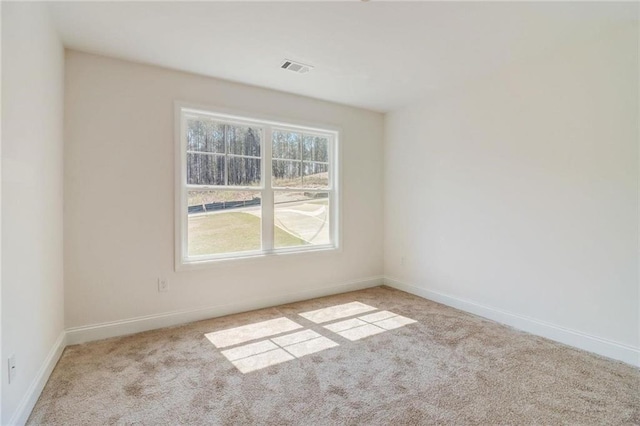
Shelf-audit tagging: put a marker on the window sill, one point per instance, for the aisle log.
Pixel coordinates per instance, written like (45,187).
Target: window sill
(255,257)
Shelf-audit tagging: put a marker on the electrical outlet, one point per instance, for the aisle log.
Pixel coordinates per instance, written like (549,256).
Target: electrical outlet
(163,285)
(12,368)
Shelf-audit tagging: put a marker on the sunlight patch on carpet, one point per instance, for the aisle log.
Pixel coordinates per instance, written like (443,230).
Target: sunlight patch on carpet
(336,312)
(395,322)
(249,350)
(337,327)
(277,344)
(368,325)
(256,356)
(310,346)
(237,335)
(300,336)
(263,360)
(265,353)
(361,332)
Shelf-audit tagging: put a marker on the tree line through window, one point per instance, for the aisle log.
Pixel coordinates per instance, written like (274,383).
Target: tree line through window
(300,160)
(222,154)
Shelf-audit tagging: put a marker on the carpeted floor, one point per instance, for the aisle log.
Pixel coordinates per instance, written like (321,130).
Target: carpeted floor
(448,367)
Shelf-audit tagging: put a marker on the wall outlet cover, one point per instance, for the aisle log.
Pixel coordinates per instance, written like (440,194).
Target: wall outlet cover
(163,285)
(12,368)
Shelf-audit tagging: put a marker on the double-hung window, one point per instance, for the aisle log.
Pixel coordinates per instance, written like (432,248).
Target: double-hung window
(250,187)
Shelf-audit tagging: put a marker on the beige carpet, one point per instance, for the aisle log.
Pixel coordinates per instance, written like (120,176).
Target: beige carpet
(447,368)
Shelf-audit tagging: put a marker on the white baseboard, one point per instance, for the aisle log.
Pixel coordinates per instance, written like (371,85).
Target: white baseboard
(89,333)
(574,338)
(30,398)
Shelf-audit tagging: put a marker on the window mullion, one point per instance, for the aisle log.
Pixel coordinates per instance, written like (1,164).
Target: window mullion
(267,194)
(334,197)
(301,165)
(226,154)
(182,213)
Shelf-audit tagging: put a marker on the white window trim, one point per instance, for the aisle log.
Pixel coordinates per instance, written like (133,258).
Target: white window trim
(182,261)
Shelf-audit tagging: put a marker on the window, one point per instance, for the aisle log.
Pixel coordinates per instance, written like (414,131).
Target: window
(252,187)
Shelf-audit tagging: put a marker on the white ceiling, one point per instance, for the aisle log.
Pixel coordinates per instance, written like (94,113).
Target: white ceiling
(376,55)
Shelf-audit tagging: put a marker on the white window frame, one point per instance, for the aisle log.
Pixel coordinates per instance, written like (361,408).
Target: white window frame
(182,260)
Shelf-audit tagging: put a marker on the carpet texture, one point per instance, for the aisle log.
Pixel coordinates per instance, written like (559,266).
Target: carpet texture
(448,367)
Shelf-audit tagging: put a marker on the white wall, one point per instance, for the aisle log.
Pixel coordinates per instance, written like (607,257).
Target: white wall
(119,196)
(32,185)
(520,192)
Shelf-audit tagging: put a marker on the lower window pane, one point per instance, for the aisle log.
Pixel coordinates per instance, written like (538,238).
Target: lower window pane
(301,218)
(223,222)
(315,175)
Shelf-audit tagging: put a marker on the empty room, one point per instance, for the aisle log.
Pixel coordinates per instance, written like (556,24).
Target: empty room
(320,213)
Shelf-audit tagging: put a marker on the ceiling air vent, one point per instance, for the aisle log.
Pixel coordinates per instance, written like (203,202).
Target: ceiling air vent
(290,65)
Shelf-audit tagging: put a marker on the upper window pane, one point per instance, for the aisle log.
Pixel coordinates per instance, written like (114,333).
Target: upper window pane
(315,175)
(244,171)
(315,148)
(286,174)
(205,135)
(286,145)
(300,160)
(222,154)
(243,140)
(205,169)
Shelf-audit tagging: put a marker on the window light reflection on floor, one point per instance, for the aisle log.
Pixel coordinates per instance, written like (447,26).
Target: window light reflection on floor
(336,312)
(255,356)
(368,325)
(270,350)
(245,333)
